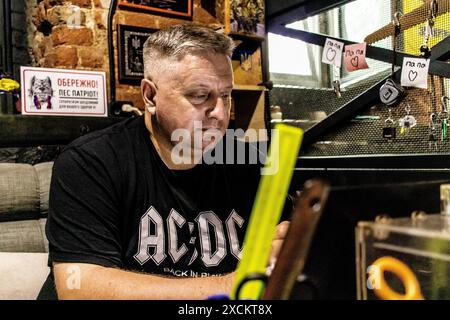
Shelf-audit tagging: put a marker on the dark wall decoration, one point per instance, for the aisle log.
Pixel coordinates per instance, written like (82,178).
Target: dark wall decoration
(247,16)
(131,43)
(174,8)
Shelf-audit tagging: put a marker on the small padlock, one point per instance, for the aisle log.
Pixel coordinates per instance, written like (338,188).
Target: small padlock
(432,137)
(389,133)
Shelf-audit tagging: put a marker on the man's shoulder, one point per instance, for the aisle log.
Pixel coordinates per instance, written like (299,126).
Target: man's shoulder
(115,136)
(108,151)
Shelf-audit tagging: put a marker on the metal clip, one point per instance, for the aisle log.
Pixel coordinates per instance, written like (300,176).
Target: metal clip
(337,88)
(429,31)
(432,136)
(408,109)
(443,115)
(337,82)
(444,105)
(433,11)
(433,121)
(396,21)
(389,121)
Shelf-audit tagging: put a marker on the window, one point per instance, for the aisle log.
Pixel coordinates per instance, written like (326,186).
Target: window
(283,51)
(294,62)
(357,20)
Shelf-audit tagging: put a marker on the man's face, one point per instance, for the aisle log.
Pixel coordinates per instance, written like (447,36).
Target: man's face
(197,89)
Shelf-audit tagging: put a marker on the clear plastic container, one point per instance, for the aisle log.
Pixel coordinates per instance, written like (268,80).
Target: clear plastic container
(404,258)
(445,199)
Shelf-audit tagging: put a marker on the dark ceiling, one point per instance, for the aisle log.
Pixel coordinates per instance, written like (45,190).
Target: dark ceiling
(274,6)
(286,11)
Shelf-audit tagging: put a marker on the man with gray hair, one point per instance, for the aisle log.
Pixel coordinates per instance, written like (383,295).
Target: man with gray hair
(129,221)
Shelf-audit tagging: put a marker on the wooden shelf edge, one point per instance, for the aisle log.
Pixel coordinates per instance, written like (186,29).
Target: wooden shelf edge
(18,130)
(246,36)
(243,87)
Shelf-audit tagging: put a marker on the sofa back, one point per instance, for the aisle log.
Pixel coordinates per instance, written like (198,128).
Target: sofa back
(24,191)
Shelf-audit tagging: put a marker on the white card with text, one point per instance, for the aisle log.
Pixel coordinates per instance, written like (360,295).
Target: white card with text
(415,72)
(332,52)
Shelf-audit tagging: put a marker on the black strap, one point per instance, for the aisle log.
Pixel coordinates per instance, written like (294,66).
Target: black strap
(248,278)
(394,52)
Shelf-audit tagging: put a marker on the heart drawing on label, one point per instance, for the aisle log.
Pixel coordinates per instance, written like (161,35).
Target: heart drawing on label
(331,54)
(412,75)
(355,61)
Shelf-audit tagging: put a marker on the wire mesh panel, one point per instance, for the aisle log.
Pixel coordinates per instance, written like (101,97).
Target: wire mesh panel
(305,106)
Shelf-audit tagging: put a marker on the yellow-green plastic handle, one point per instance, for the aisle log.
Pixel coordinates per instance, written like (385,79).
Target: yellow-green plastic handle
(267,208)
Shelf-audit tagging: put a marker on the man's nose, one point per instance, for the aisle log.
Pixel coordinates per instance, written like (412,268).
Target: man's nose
(218,109)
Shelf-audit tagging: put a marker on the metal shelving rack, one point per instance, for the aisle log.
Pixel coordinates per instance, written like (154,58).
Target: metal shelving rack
(279,16)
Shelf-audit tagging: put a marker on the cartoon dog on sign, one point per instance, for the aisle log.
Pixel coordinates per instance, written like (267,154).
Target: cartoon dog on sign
(41,92)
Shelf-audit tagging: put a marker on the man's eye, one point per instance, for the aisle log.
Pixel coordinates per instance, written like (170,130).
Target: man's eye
(198,98)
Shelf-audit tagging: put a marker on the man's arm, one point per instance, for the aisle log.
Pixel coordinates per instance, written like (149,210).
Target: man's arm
(88,281)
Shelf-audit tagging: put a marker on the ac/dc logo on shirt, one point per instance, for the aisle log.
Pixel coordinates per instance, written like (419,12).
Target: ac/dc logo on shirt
(211,228)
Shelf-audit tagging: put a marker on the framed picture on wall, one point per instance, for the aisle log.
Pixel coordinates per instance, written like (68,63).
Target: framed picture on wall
(131,41)
(247,16)
(172,8)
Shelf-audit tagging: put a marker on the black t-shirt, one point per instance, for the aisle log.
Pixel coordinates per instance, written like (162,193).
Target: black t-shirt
(114,203)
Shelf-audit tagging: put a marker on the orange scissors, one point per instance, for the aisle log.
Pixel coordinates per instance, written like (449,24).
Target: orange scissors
(401,270)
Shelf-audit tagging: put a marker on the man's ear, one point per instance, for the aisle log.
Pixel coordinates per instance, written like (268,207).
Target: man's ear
(148,92)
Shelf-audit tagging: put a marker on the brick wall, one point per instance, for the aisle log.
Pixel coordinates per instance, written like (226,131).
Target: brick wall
(54,42)
(19,36)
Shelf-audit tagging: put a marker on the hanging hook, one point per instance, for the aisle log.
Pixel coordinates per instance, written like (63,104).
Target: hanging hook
(396,21)
(389,118)
(444,105)
(433,120)
(433,11)
(408,109)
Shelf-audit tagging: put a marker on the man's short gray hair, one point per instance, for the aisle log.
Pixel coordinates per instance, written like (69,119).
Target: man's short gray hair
(179,40)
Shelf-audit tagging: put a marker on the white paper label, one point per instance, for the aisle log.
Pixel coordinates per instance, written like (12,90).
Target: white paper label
(415,72)
(332,52)
(61,92)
